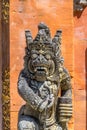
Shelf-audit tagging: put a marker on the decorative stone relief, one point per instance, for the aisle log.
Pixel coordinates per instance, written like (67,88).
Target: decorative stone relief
(40,82)
(5,11)
(79,5)
(6,100)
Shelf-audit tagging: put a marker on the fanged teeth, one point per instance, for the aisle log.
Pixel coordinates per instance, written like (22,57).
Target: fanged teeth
(41,68)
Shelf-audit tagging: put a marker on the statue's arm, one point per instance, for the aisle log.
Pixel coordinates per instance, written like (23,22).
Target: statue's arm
(65,101)
(65,84)
(28,94)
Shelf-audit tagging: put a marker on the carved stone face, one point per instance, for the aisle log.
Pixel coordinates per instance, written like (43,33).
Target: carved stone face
(41,64)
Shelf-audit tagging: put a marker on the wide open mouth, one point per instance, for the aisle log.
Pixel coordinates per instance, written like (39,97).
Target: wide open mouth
(41,70)
(41,73)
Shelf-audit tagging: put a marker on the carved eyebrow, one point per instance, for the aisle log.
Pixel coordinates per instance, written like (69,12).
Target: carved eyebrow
(48,52)
(44,53)
(34,51)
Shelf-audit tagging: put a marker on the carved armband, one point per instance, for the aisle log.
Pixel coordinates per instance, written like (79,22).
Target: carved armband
(65,101)
(65,109)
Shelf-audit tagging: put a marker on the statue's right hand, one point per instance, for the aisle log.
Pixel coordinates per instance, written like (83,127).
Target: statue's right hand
(43,105)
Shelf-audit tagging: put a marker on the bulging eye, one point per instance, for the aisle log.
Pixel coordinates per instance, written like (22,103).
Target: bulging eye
(48,56)
(34,56)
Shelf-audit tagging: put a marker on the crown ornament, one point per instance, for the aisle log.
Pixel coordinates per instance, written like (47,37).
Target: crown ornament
(43,39)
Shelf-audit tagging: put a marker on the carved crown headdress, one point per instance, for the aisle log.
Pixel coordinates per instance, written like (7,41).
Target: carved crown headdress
(43,40)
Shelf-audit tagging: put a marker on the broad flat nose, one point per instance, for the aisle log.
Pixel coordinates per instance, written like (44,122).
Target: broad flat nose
(41,58)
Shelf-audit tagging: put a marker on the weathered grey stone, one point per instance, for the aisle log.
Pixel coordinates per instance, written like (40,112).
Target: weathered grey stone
(40,82)
(79,5)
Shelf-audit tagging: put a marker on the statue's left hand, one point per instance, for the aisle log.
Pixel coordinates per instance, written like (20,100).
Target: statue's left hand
(51,101)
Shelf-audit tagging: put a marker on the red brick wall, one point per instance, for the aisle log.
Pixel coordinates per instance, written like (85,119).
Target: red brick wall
(80,69)
(26,14)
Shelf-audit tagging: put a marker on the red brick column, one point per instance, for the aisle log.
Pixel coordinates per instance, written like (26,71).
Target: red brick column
(26,14)
(80,70)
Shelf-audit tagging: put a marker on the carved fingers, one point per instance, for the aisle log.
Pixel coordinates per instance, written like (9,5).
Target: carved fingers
(51,101)
(47,103)
(43,105)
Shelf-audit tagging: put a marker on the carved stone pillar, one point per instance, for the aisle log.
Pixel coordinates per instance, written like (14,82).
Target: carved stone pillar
(5,43)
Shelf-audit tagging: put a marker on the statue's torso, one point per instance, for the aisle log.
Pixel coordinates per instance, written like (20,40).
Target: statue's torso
(43,90)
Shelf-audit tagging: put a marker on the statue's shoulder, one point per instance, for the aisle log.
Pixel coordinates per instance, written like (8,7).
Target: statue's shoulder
(24,74)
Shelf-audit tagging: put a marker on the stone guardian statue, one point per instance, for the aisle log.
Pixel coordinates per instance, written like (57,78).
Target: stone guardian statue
(44,84)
